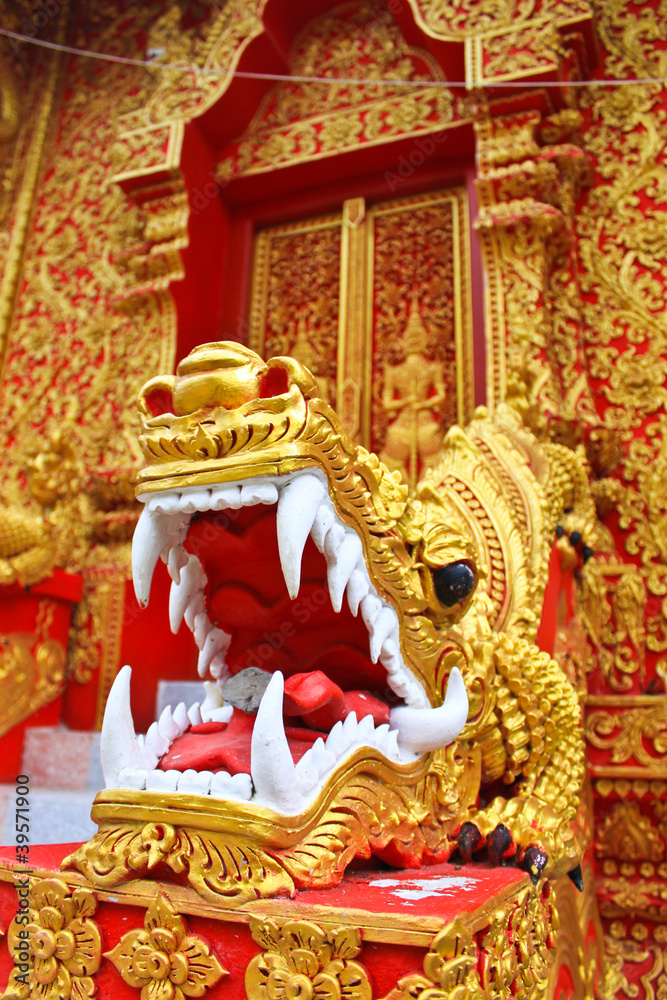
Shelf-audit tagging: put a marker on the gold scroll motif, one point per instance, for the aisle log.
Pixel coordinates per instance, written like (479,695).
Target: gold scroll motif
(302,122)
(460,19)
(531,172)
(511,54)
(623,252)
(631,843)
(632,958)
(164,960)
(75,512)
(613,600)
(402,366)
(509,957)
(637,833)
(57,534)
(64,943)
(634,730)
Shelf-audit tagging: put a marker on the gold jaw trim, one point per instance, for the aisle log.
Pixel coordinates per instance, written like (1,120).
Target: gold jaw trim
(176,476)
(230,851)
(260,823)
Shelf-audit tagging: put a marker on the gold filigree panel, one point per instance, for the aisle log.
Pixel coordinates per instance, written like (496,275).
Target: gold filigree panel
(613,601)
(632,958)
(460,19)
(295,297)
(623,257)
(632,732)
(302,121)
(419,315)
(32,670)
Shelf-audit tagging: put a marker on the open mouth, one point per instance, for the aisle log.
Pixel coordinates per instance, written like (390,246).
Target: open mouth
(299,655)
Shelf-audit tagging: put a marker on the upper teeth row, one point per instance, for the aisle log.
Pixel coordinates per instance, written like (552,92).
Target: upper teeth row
(304,509)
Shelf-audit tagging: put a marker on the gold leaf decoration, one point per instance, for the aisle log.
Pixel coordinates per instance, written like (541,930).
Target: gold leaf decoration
(300,961)
(163,959)
(63,942)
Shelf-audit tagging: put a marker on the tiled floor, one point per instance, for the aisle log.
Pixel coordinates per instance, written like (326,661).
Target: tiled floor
(57,816)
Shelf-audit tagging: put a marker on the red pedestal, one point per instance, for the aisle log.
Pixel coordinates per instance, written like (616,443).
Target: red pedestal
(393,918)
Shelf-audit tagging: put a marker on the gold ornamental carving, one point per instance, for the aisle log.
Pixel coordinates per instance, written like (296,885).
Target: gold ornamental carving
(580,941)
(631,955)
(613,602)
(58,532)
(413,389)
(458,19)
(450,968)
(637,734)
(510,956)
(301,122)
(296,298)
(527,186)
(32,671)
(300,960)
(622,253)
(628,835)
(164,960)
(420,327)
(387,333)
(63,941)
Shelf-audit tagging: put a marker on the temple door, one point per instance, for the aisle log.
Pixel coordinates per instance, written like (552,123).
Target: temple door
(375,300)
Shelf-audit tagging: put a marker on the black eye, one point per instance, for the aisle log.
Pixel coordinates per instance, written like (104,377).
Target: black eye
(453,583)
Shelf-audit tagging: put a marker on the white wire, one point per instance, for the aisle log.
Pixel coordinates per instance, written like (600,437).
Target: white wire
(360,81)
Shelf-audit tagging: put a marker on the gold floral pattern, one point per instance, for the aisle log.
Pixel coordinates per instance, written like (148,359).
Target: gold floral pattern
(465,18)
(64,943)
(628,835)
(300,961)
(163,959)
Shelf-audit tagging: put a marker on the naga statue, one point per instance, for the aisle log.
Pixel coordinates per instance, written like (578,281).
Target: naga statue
(372,680)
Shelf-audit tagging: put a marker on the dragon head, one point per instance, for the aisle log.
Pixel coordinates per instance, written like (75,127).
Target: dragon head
(325,602)
(322,599)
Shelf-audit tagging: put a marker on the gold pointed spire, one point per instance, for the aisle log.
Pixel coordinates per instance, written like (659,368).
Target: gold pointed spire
(415,337)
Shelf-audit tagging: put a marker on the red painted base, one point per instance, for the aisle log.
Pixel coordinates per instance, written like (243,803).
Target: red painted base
(397,912)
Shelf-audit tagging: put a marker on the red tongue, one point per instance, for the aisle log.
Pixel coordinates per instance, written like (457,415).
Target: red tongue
(228,749)
(215,746)
(322,704)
